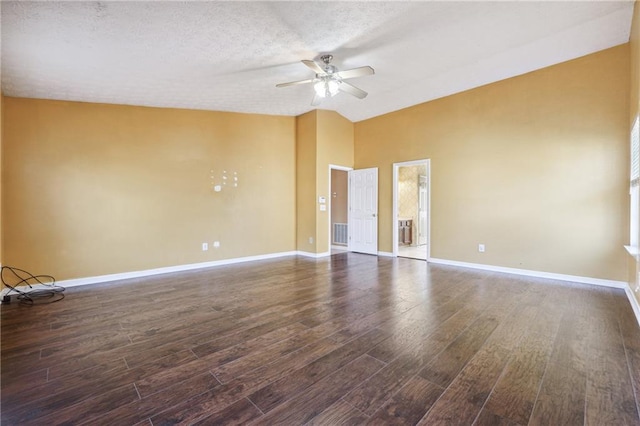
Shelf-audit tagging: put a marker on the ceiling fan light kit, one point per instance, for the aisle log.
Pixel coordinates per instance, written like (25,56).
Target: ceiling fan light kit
(329,81)
(326,88)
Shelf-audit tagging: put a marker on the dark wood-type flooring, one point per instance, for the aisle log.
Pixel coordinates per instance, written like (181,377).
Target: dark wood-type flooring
(351,339)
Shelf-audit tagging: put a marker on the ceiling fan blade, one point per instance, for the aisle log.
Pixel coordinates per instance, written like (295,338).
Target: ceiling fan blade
(294,83)
(315,67)
(355,72)
(352,90)
(317,100)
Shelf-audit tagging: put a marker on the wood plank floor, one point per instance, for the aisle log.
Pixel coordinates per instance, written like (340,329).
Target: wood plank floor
(350,339)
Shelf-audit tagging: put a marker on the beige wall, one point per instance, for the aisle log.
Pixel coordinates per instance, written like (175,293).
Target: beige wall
(92,189)
(1,149)
(323,138)
(1,126)
(335,147)
(535,167)
(306,139)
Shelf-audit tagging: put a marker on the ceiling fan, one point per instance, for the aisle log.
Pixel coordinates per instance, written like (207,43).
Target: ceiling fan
(329,81)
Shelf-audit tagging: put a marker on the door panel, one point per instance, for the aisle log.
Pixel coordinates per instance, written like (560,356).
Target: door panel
(363,210)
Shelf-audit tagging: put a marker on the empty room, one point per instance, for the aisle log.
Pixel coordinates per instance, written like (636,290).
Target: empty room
(320,213)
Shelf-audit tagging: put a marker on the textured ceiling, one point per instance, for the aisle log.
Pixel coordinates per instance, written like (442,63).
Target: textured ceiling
(228,56)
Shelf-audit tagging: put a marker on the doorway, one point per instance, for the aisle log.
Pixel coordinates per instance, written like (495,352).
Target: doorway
(338,209)
(411,218)
(353,210)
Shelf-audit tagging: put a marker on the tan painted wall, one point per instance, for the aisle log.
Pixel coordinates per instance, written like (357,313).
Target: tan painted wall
(1,126)
(1,184)
(535,167)
(323,138)
(335,147)
(306,139)
(92,189)
(1,149)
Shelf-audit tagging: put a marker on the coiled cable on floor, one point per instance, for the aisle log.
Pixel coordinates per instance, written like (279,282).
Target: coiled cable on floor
(48,292)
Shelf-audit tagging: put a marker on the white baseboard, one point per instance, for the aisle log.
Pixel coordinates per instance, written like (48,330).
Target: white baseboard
(634,303)
(562,277)
(314,255)
(530,273)
(157,271)
(26,288)
(179,268)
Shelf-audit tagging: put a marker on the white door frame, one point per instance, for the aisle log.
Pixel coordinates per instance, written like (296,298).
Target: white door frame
(330,198)
(396,167)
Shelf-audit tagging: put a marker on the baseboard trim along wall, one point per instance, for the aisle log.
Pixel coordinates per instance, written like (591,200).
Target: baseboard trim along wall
(550,275)
(157,271)
(179,268)
(314,255)
(634,303)
(530,273)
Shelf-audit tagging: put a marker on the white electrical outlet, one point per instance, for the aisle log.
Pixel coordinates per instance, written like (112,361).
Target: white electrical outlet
(481,248)
(216,244)
(310,240)
(205,246)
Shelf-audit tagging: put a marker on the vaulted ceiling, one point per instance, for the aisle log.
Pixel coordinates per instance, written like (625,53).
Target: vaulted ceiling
(229,56)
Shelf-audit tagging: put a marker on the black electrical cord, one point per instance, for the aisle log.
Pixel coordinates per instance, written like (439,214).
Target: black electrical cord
(49,293)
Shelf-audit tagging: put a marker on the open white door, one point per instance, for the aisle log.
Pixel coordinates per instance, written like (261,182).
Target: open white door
(363,211)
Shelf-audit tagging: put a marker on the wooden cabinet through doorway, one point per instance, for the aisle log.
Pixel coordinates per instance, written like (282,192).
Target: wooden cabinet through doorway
(405,228)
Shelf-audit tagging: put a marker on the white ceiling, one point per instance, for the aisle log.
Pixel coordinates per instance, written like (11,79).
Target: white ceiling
(228,56)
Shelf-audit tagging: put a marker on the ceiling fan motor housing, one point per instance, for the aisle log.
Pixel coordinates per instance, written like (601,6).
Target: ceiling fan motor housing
(326,58)
(328,68)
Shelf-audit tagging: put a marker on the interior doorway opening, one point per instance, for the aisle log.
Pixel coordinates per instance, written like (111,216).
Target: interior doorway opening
(338,209)
(411,209)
